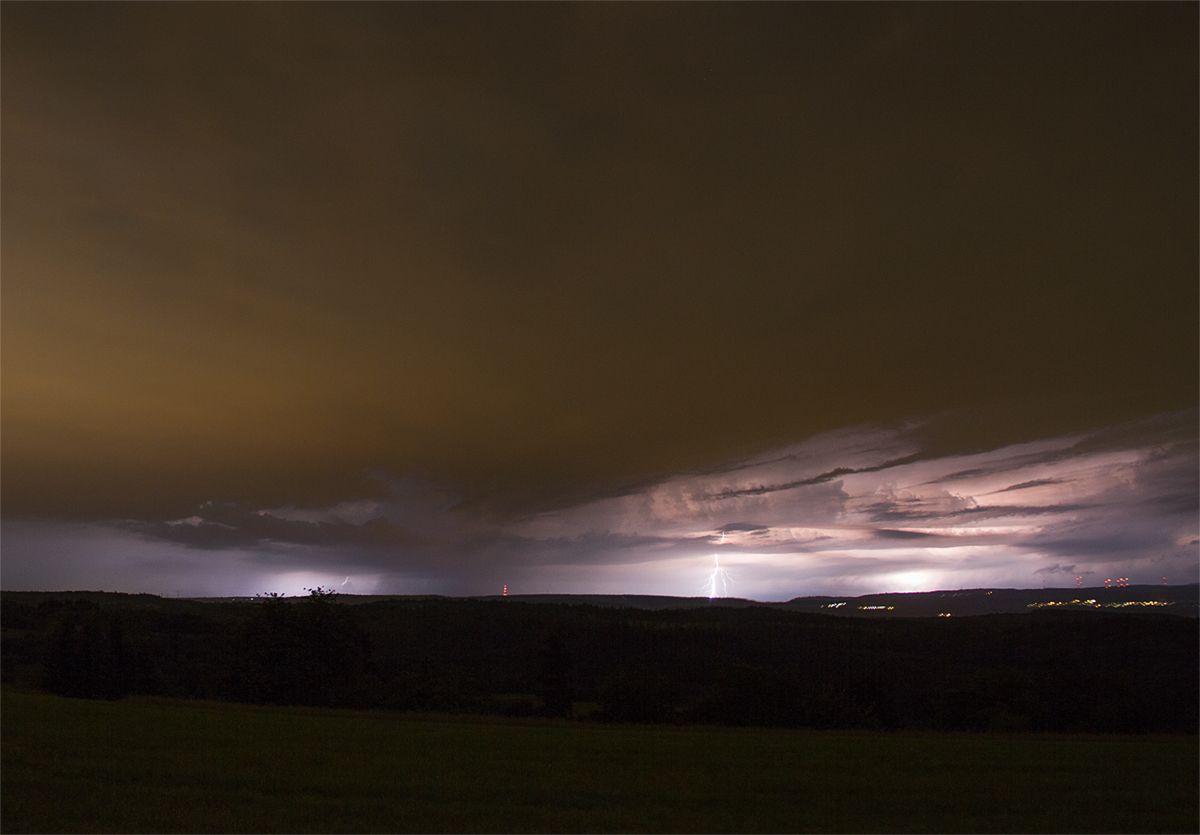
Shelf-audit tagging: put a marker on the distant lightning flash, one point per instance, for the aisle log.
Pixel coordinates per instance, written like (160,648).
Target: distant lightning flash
(719,576)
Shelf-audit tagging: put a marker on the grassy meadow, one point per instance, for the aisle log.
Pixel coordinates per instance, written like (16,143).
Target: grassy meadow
(154,765)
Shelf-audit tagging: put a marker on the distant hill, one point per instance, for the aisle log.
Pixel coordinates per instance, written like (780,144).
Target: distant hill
(1182,600)
(1176,600)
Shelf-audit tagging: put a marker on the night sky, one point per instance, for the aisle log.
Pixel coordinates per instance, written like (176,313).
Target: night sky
(589,298)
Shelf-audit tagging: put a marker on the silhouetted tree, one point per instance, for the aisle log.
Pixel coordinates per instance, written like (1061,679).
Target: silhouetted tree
(305,652)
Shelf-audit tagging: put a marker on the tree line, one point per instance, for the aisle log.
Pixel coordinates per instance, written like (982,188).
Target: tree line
(1095,672)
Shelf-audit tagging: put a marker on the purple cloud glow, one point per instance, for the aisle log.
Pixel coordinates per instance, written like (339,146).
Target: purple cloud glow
(856,511)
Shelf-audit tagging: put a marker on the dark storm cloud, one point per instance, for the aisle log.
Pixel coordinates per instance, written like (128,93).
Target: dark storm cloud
(1146,515)
(1101,543)
(823,478)
(890,533)
(265,536)
(746,527)
(999,467)
(1056,569)
(1124,530)
(948,509)
(1038,482)
(225,525)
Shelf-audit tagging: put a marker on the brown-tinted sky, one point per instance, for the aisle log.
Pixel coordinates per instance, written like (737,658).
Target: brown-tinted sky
(541,253)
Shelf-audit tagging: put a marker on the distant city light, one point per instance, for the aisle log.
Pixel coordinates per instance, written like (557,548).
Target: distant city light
(1093,604)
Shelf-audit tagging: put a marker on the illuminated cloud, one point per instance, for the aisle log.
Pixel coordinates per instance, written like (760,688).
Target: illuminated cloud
(890,519)
(439,297)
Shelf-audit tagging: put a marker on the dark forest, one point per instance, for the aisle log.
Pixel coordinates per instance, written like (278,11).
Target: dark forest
(1064,672)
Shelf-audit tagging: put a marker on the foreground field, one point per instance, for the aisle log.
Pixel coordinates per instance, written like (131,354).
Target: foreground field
(142,765)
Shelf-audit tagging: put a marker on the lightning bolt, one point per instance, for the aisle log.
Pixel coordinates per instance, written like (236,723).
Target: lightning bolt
(719,578)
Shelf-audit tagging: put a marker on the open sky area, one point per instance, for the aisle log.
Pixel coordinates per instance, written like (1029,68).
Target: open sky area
(599,298)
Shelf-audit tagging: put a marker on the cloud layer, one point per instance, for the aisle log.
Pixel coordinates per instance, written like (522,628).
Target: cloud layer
(252,248)
(855,511)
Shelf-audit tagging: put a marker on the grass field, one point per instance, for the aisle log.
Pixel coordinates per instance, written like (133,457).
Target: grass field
(160,766)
